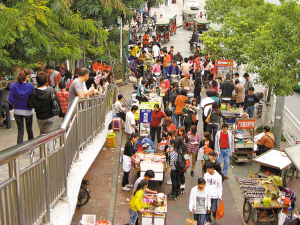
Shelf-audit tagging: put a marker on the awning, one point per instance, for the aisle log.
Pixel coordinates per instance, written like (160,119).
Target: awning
(201,21)
(293,153)
(163,21)
(190,12)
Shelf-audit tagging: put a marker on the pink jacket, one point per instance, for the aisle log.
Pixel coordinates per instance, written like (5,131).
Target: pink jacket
(156,68)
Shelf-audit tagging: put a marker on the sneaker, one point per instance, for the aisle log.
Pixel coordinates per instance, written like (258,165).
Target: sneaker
(192,173)
(129,185)
(125,189)
(169,182)
(182,186)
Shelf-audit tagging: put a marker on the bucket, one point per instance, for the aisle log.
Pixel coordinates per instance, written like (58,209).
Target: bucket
(110,140)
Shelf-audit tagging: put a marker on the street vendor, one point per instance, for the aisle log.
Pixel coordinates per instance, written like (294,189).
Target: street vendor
(185,82)
(173,69)
(266,142)
(149,175)
(290,193)
(140,95)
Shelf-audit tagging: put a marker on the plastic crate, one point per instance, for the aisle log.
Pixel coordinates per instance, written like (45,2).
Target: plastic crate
(110,140)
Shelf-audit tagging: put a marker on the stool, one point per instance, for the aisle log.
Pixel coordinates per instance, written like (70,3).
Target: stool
(290,217)
(117,123)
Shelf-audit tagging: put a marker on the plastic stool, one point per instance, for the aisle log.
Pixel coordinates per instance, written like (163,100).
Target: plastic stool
(290,217)
(117,123)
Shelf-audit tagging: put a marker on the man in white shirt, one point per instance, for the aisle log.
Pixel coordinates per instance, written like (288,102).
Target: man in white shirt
(185,67)
(237,77)
(120,110)
(214,184)
(206,104)
(130,126)
(155,50)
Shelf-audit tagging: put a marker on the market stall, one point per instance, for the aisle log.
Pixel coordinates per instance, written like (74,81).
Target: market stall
(243,141)
(262,199)
(223,67)
(155,210)
(276,162)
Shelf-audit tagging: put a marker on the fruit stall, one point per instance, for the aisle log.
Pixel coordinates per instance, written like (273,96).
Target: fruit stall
(263,200)
(276,162)
(155,209)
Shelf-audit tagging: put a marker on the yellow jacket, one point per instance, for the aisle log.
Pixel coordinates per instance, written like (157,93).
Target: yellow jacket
(136,201)
(135,50)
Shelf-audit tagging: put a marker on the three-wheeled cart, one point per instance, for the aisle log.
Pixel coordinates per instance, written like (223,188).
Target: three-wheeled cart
(163,30)
(243,141)
(156,210)
(173,22)
(188,18)
(276,162)
(255,207)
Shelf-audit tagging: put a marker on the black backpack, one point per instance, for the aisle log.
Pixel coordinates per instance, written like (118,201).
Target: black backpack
(180,163)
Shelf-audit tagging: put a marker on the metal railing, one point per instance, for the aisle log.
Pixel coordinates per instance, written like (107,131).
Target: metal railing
(33,188)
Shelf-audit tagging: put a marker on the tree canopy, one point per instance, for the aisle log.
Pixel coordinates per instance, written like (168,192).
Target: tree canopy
(262,35)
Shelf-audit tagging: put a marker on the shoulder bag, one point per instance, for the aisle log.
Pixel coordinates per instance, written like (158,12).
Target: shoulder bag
(55,104)
(208,117)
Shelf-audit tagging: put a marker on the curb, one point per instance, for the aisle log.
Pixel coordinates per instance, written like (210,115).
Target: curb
(113,194)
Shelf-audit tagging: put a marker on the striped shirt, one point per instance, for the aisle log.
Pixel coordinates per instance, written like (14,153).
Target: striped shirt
(192,139)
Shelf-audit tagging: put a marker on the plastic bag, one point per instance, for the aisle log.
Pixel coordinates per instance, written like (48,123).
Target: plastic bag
(281,218)
(220,210)
(200,154)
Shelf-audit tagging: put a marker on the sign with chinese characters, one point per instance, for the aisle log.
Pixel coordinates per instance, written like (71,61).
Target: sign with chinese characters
(224,62)
(246,124)
(145,115)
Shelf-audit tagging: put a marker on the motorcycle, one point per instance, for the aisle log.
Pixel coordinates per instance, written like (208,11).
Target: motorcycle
(193,47)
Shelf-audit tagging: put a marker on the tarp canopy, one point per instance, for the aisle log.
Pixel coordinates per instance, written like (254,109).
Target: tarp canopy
(163,21)
(216,27)
(201,21)
(171,16)
(190,12)
(293,153)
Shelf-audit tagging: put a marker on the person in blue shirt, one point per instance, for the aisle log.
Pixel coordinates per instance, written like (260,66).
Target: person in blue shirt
(133,67)
(173,69)
(214,97)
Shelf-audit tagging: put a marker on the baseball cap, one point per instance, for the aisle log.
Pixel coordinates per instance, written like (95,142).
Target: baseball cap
(187,75)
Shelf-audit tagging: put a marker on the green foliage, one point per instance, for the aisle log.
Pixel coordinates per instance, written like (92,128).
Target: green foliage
(262,35)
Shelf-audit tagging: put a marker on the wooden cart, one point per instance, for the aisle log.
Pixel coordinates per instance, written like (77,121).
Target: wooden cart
(155,216)
(258,212)
(276,162)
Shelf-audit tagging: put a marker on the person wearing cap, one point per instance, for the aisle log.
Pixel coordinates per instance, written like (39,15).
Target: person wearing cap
(53,76)
(173,69)
(248,83)
(185,82)
(178,57)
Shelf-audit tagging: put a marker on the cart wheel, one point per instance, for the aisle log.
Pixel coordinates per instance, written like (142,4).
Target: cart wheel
(247,210)
(288,176)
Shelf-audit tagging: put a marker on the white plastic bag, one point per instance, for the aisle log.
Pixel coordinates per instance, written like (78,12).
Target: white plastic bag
(200,154)
(126,163)
(281,218)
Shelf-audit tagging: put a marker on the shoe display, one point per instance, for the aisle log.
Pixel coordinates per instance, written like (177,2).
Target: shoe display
(129,185)
(125,189)
(169,182)
(192,173)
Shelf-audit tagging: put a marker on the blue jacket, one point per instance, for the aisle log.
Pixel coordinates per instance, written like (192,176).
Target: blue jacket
(19,94)
(170,68)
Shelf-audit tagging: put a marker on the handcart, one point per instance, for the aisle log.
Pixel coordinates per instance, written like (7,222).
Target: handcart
(276,162)
(243,141)
(260,198)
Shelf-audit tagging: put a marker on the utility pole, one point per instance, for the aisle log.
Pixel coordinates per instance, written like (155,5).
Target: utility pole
(278,120)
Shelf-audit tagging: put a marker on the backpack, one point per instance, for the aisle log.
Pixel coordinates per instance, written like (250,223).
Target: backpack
(56,108)
(180,163)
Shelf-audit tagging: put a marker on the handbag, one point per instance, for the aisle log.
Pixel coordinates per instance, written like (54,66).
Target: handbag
(162,94)
(56,109)
(208,117)
(194,119)
(190,221)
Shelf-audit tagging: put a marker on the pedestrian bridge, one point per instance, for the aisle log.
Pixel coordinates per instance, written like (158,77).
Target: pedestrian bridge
(42,187)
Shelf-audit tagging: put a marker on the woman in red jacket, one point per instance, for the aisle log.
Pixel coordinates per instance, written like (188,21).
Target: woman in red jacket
(156,123)
(179,103)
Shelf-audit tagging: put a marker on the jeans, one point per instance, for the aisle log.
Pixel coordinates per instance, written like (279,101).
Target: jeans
(250,111)
(158,133)
(212,128)
(6,106)
(213,209)
(45,125)
(179,117)
(200,218)
(175,178)
(167,2)
(133,216)
(20,125)
(125,180)
(187,126)
(225,153)
(165,72)
(173,114)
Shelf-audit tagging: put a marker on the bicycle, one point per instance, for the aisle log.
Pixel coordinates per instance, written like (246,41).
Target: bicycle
(84,193)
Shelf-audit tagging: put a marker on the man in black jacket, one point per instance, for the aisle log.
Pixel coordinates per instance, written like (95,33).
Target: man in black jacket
(227,89)
(40,100)
(194,38)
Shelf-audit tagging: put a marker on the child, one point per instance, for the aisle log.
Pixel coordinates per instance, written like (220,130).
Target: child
(136,202)
(200,202)
(214,184)
(289,193)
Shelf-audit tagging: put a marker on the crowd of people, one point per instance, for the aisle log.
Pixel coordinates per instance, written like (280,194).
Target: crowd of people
(54,84)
